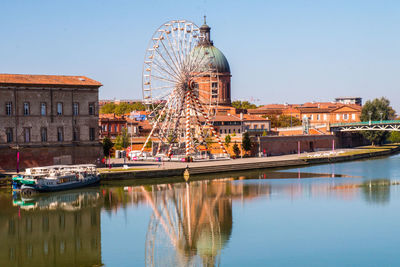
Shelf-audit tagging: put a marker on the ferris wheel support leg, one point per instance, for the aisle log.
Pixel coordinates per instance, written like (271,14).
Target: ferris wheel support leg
(193,105)
(182,105)
(188,134)
(209,123)
(156,124)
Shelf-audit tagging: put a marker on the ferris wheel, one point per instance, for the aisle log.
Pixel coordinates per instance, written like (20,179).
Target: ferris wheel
(179,83)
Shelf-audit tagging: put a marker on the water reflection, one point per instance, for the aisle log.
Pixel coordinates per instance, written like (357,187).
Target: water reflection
(52,230)
(377,191)
(190,223)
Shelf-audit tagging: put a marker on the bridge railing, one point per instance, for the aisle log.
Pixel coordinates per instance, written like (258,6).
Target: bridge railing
(365,123)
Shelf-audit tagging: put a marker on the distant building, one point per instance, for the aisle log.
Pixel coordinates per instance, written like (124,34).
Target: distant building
(49,119)
(349,100)
(316,112)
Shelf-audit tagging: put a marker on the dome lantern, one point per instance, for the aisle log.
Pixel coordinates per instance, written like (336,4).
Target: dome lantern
(205,31)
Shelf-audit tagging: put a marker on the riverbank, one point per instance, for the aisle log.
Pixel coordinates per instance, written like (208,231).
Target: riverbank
(170,169)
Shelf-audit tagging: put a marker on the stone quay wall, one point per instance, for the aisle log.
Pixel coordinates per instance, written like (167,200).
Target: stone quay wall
(283,145)
(50,155)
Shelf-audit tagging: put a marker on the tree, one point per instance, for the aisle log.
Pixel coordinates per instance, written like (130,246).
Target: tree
(243,105)
(394,137)
(107,145)
(122,141)
(108,108)
(227,140)
(264,133)
(376,110)
(149,144)
(284,121)
(236,149)
(246,142)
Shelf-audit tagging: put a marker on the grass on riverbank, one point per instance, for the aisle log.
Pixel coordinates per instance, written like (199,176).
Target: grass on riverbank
(360,151)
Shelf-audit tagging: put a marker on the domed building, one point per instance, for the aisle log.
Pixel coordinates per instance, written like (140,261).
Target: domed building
(215,87)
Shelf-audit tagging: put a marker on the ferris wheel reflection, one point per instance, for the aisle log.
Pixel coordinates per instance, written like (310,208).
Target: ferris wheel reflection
(190,224)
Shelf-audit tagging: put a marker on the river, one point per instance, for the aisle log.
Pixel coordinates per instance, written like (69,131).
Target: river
(344,214)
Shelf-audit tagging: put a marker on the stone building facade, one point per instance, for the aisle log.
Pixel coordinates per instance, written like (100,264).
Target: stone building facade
(48,119)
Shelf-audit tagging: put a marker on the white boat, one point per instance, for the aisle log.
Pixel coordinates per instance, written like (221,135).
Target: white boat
(57,178)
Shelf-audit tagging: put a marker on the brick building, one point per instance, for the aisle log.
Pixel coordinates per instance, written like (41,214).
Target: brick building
(215,83)
(49,119)
(316,112)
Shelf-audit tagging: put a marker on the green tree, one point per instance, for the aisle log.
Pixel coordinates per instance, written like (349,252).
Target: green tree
(287,121)
(107,145)
(149,144)
(394,137)
(236,149)
(122,141)
(246,142)
(375,110)
(243,105)
(122,108)
(227,140)
(108,108)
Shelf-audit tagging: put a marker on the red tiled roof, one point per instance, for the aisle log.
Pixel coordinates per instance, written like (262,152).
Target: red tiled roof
(47,80)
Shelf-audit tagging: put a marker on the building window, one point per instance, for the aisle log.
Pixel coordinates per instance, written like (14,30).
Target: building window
(75,134)
(26,109)
(337,117)
(224,130)
(9,135)
(214,90)
(220,131)
(76,108)
(228,90)
(109,127)
(91,108)
(325,117)
(43,110)
(9,108)
(59,108)
(311,117)
(60,134)
(238,130)
(318,117)
(43,134)
(353,116)
(229,130)
(115,128)
(345,116)
(27,135)
(91,134)
(262,126)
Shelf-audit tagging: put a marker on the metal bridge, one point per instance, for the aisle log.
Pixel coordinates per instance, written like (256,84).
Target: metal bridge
(392,125)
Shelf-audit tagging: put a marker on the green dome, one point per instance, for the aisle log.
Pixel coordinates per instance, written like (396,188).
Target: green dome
(217,58)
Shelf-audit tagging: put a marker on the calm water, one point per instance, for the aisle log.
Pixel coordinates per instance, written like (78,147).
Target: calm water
(344,214)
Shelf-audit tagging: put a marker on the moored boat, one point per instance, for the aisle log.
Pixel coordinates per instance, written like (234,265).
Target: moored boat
(56,178)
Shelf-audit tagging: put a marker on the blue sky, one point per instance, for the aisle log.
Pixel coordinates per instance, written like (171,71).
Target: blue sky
(279,51)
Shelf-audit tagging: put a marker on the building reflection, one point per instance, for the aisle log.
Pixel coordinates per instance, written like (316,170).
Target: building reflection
(52,230)
(191,223)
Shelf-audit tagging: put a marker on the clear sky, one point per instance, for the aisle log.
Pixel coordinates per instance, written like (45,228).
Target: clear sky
(279,51)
